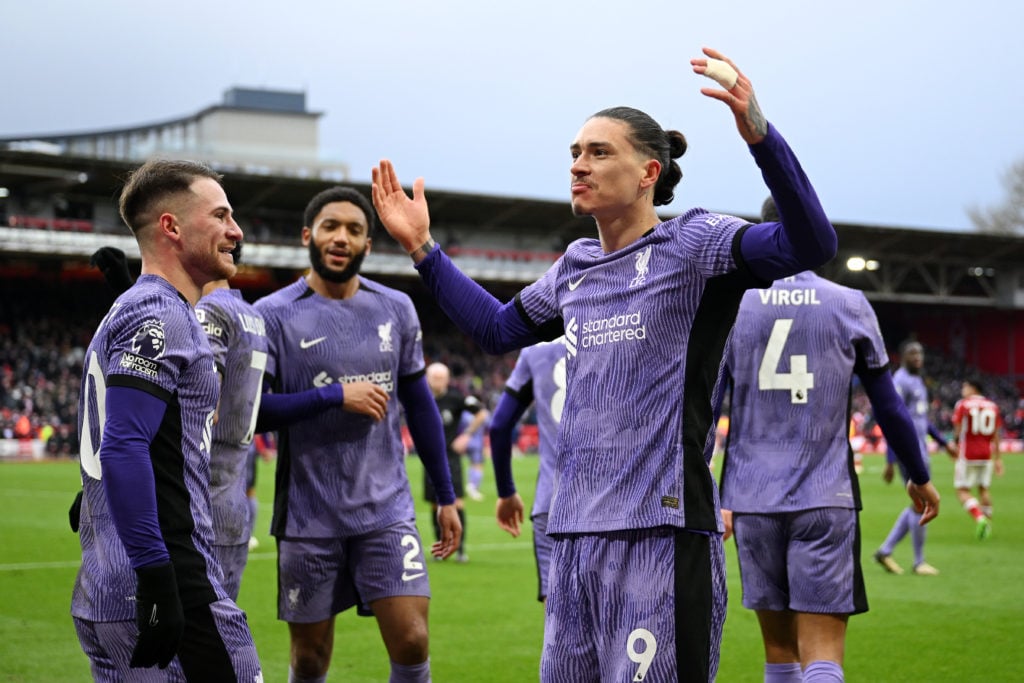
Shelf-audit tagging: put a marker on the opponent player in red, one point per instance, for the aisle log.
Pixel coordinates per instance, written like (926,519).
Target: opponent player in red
(977,422)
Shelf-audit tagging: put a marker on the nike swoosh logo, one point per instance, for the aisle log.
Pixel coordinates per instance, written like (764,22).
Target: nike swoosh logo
(406,576)
(574,285)
(303,344)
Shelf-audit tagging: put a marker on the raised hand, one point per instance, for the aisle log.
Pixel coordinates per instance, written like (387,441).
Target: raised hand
(750,122)
(405,219)
(113,263)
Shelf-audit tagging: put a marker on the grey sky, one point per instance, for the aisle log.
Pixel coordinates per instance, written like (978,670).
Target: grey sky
(902,112)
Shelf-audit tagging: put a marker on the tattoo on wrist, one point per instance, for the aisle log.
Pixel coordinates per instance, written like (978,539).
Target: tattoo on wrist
(421,251)
(755,119)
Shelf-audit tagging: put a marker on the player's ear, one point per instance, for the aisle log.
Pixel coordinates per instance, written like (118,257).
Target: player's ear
(168,225)
(369,244)
(307,235)
(652,169)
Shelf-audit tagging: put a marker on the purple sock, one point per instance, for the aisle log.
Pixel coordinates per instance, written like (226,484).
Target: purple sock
(783,673)
(476,477)
(823,671)
(917,536)
(899,530)
(412,673)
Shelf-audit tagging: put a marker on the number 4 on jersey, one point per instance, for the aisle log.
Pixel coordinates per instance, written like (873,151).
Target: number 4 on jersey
(797,381)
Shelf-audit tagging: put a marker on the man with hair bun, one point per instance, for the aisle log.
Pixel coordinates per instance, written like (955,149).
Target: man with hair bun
(637,579)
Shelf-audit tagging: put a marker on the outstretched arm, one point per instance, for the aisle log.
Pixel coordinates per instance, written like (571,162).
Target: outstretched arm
(804,238)
(899,431)
(405,219)
(750,122)
(496,327)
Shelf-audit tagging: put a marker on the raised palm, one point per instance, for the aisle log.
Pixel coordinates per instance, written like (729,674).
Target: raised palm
(405,219)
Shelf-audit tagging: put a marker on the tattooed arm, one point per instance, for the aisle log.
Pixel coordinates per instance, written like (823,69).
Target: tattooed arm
(740,97)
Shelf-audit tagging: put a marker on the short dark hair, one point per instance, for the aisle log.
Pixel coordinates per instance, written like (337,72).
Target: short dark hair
(909,344)
(664,145)
(770,212)
(976,382)
(156,180)
(340,194)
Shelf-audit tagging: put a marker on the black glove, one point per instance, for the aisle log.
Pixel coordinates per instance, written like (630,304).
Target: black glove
(75,512)
(114,265)
(158,615)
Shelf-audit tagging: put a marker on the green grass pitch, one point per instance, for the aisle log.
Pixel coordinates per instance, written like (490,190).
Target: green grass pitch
(486,624)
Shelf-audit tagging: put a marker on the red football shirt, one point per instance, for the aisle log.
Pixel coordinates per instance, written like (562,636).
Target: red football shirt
(976,420)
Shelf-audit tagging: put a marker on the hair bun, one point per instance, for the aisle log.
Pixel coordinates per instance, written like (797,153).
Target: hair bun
(676,143)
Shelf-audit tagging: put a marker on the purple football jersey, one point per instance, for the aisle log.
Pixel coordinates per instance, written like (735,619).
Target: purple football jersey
(791,357)
(645,328)
(238,338)
(911,388)
(539,375)
(151,341)
(339,473)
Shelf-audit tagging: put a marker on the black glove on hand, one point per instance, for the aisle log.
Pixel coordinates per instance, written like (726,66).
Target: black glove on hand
(158,615)
(75,512)
(114,265)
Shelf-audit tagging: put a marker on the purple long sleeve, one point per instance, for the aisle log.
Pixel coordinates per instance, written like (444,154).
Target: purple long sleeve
(427,432)
(896,424)
(506,414)
(934,432)
(133,418)
(496,327)
(281,410)
(804,239)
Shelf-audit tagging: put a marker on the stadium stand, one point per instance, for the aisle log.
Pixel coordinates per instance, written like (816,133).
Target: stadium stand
(960,294)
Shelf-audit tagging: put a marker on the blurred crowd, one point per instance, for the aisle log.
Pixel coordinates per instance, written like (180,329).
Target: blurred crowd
(44,333)
(41,360)
(943,377)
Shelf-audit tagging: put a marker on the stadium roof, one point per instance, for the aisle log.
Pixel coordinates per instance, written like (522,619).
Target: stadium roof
(909,264)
